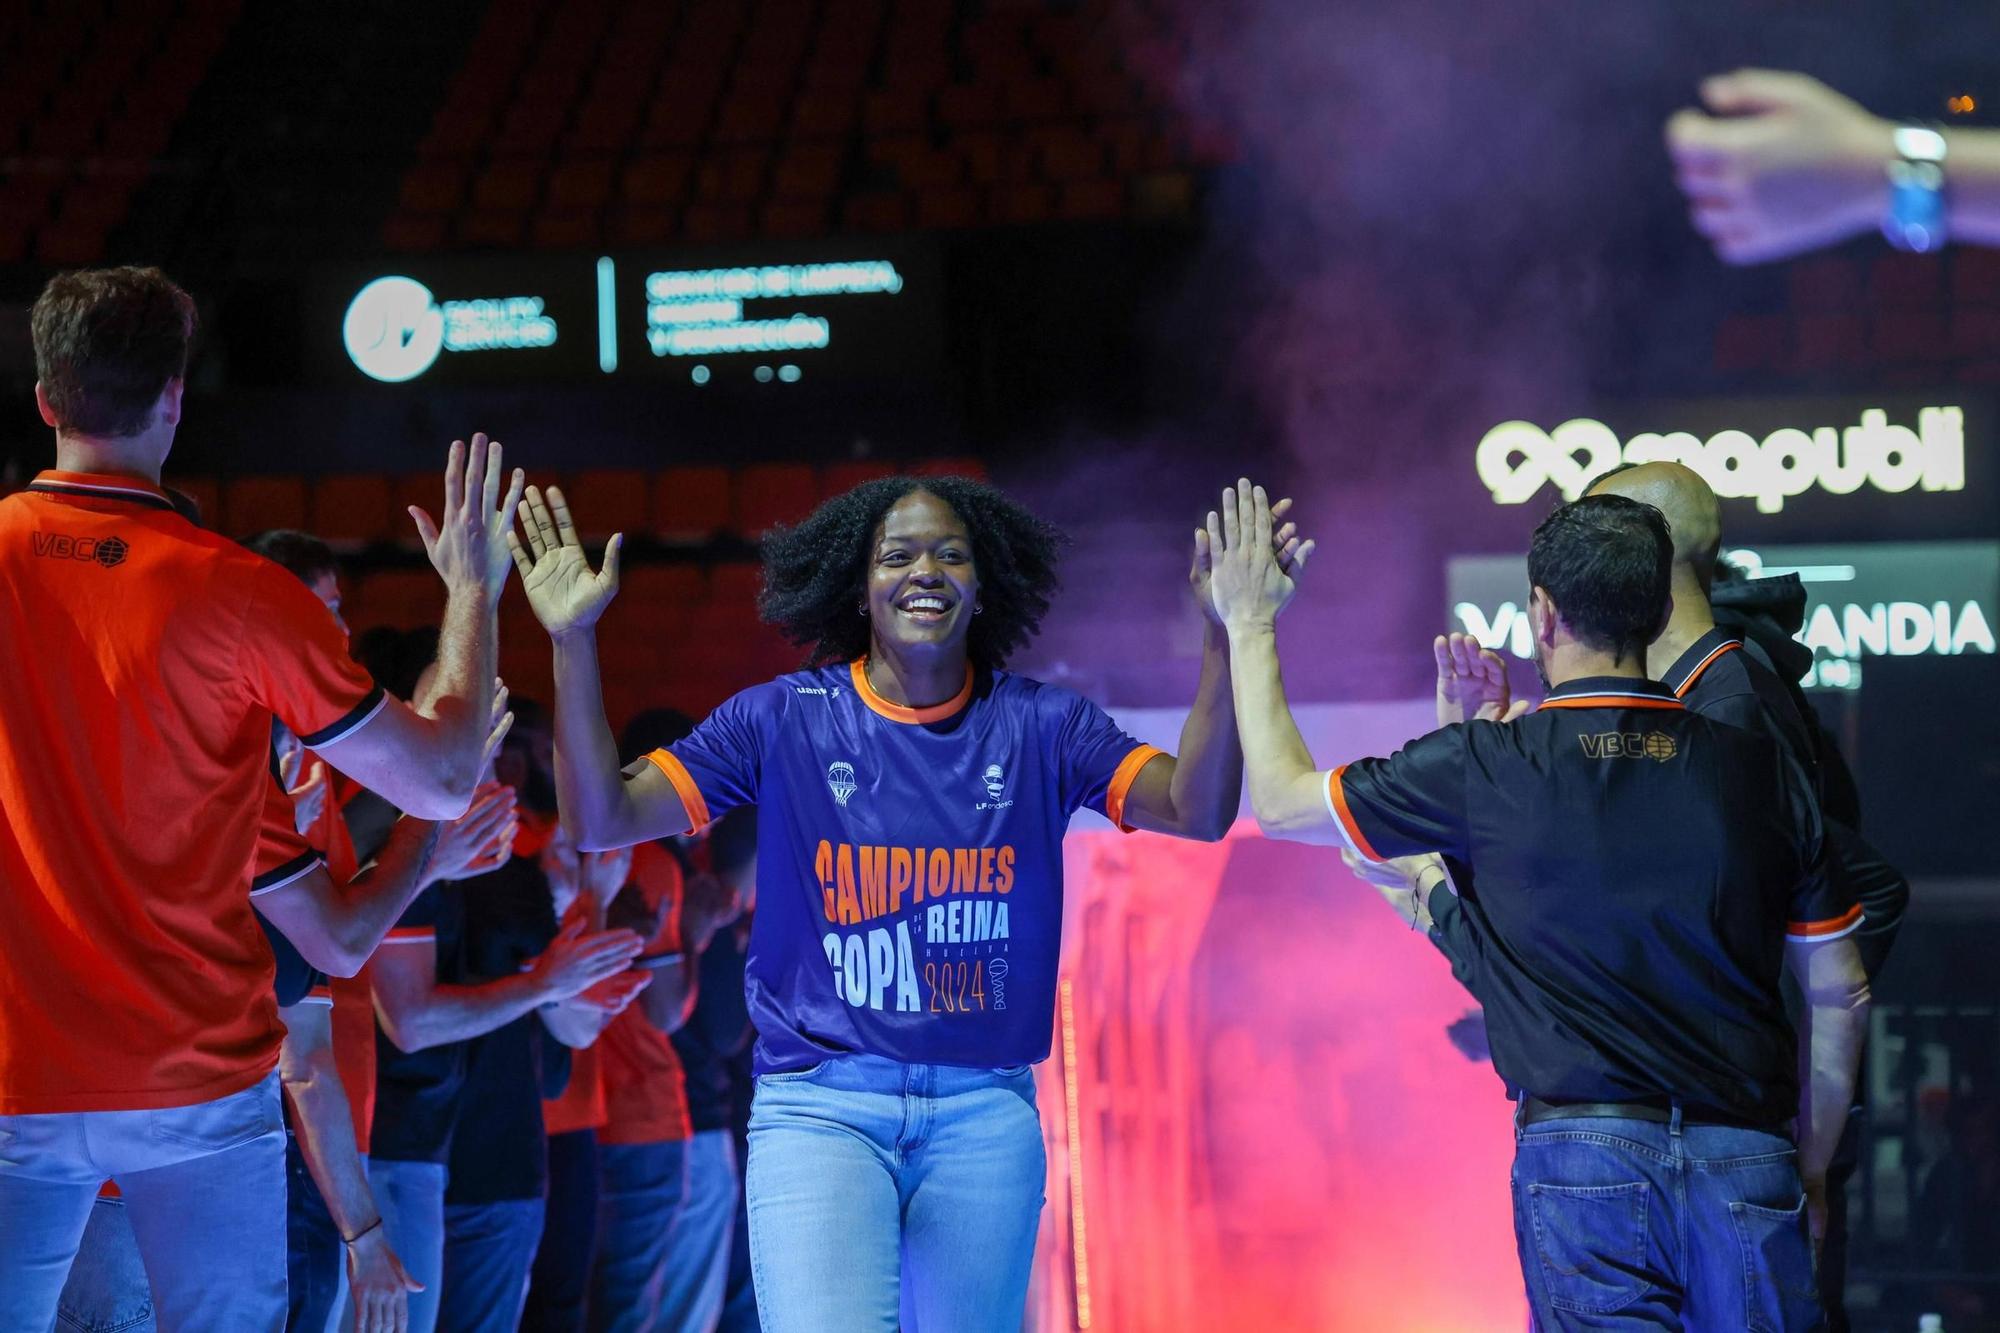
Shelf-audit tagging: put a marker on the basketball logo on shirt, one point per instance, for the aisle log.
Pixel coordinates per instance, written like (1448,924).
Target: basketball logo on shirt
(840,780)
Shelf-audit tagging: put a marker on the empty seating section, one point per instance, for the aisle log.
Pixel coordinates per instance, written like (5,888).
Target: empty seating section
(685,625)
(576,123)
(91,93)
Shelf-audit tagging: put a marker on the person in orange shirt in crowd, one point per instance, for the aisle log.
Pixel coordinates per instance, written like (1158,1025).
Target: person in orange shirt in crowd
(146,661)
(467,984)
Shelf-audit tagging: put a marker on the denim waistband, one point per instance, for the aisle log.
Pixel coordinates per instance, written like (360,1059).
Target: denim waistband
(859,1071)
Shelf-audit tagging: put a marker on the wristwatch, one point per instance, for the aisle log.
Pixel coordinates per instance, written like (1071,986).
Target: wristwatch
(1916,217)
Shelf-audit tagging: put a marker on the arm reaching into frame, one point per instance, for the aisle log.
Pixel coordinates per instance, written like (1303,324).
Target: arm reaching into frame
(1249,590)
(1779,164)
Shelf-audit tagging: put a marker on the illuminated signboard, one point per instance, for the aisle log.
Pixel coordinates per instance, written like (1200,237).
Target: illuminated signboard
(1517,459)
(395,328)
(817,312)
(1863,600)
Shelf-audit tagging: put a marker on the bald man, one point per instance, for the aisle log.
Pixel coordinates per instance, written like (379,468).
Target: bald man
(1715,673)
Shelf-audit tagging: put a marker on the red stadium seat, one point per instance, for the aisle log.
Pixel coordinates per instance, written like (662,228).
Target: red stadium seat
(704,223)
(403,598)
(647,224)
(205,493)
(960,207)
(660,179)
(807,171)
(734,585)
(353,509)
(769,494)
(1091,201)
(255,504)
(951,467)
(793,220)
(566,229)
(433,187)
(608,500)
(840,478)
(411,233)
(691,504)
(876,211)
(666,589)
(580,185)
(425,490)
(508,187)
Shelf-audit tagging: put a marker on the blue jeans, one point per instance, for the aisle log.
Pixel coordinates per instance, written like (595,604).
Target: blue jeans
(316,1257)
(559,1289)
(106,1291)
(1625,1224)
(204,1191)
(489,1250)
(663,1226)
(410,1197)
(880,1190)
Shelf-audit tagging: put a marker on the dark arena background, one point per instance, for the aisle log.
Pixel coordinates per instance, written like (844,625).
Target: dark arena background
(1419,264)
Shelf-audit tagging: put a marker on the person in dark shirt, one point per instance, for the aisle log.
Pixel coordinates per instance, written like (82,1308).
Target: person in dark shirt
(1643,876)
(456,1150)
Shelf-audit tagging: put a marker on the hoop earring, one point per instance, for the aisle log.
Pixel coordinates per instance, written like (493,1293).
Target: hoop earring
(978,610)
(861,611)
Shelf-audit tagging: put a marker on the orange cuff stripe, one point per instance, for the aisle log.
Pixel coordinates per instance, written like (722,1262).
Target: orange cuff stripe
(1814,930)
(1122,780)
(411,935)
(684,785)
(1338,795)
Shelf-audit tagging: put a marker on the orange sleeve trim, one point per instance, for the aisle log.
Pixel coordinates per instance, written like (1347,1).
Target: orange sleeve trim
(684,786)
(1336,799)
(1122,780)
(1825,930)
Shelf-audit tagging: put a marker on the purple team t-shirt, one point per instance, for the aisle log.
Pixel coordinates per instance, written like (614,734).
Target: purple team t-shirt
(909,861)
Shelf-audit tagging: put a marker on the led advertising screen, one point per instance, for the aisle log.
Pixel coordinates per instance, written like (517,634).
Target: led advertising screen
(793,314)
(1785,469)
(1865,601)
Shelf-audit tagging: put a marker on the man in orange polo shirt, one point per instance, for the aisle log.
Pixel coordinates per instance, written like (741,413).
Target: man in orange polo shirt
(145,661)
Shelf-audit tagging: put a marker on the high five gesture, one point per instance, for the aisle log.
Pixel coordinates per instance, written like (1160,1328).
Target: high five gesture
(566,594)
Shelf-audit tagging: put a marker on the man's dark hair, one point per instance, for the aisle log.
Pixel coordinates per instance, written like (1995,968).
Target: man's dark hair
(816,574)
(1607,562)
(107,341)
(303,555)
(650,730)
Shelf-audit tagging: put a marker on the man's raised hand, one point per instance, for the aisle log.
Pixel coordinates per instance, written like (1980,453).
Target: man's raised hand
(1472,682)
(1246,583)
(1285,543)
(564,592)
(467,542)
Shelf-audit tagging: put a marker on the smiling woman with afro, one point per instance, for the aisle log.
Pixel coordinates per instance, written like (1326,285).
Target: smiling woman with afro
(912,798)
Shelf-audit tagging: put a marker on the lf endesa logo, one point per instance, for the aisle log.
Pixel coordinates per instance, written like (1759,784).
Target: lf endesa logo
(395,328)
(1516,458)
